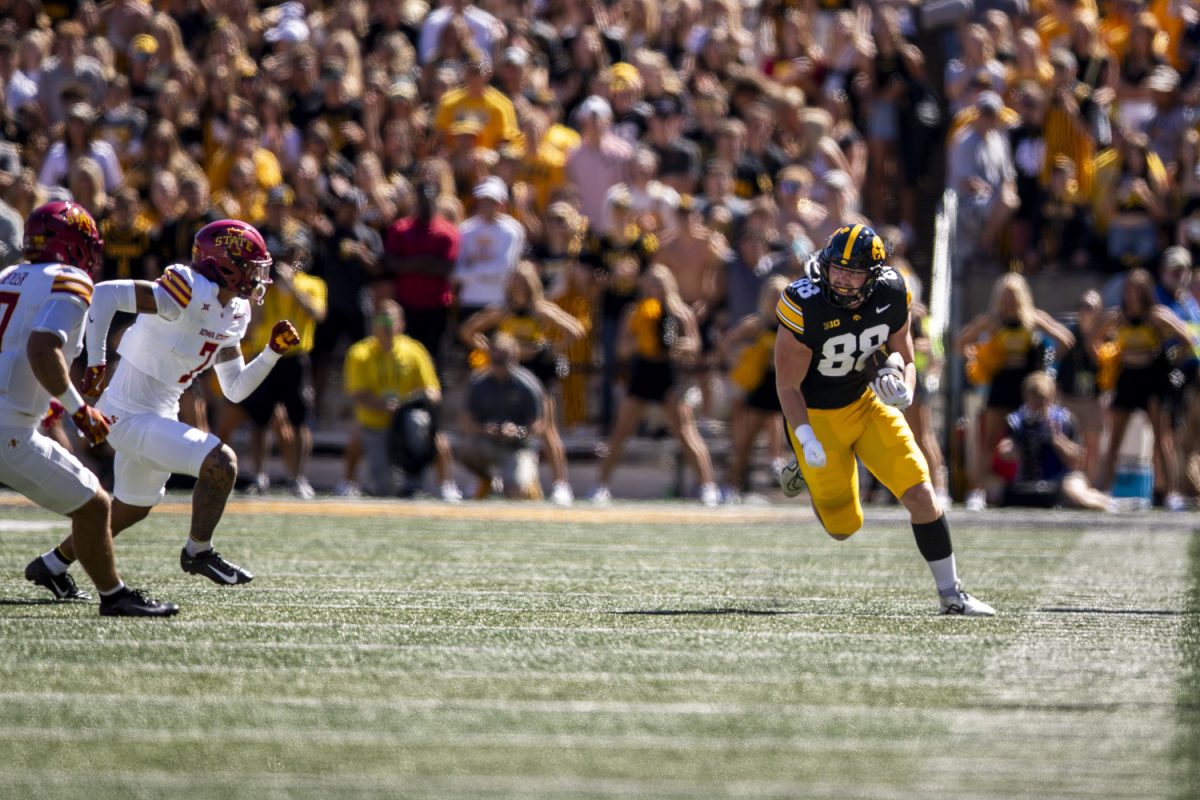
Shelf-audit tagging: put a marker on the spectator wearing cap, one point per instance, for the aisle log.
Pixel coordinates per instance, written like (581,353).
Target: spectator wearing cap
(348,259)
(513,71)
(1171,120)
(279,227)
(80,140)
(69,66)
(980,83)
(490,245)
(122,20)
(146,75)
(981,171)
(679,159)
(419,253)
(245,145)
(631,114)
(485,29)
(477,100)
(601,161)
(302,298)
(289,30)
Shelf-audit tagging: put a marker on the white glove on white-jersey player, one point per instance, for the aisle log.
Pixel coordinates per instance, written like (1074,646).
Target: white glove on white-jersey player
(889,384)
(814,453)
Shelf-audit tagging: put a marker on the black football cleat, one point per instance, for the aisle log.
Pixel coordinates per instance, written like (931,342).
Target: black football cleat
(135,603)
(210,564)
(61,586)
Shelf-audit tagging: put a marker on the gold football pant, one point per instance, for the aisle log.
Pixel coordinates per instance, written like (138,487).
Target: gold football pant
(877,434)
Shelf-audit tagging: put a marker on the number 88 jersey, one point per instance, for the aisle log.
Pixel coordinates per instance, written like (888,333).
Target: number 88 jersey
(842,339)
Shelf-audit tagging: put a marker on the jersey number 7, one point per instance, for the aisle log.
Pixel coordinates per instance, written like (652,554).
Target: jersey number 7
(206,353)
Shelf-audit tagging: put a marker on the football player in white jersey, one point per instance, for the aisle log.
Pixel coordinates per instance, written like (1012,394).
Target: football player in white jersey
(191,318)
(42,307)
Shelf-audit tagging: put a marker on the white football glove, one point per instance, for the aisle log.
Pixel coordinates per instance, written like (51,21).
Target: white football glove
(814,453)
(889,384)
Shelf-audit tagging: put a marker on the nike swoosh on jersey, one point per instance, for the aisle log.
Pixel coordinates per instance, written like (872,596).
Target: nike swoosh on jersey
(882,309)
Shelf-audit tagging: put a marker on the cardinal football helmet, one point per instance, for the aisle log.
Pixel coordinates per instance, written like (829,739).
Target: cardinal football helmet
(63,232)
(233,255)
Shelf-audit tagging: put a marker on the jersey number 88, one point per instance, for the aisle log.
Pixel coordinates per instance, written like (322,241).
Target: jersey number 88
(848,352)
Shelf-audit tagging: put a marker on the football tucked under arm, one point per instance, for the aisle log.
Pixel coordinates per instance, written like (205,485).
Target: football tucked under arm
(886,378)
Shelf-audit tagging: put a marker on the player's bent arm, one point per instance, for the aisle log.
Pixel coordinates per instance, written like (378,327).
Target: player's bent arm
(108,298)
(239,379)
(792,360)
(49,366)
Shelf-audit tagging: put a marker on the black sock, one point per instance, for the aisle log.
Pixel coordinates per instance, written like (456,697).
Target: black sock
(933,539)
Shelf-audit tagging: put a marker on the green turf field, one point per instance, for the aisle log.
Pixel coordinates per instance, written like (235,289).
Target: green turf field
(650,651)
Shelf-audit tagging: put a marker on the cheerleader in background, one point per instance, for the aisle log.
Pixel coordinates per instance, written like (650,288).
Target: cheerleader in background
(1079,382)
(1002,346)
(569,285)
(536,324)
(658,331)
(756,406)
(1139,331)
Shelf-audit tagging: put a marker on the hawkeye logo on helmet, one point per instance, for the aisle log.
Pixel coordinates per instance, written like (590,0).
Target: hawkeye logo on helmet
(878,252)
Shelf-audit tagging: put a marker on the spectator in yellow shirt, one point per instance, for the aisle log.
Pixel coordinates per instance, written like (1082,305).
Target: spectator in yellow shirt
(245,145)
(300,297)
(479,101)
(386,375)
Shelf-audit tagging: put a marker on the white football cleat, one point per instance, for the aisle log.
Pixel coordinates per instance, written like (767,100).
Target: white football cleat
(561,494)
(303,489)
(710,495)
(451,493)
(601,496)
(963,605)
(976,500)
(791,480)
(347,489)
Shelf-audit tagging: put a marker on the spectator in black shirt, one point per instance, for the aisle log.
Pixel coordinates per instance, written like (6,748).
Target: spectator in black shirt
(678,158)
(348,262)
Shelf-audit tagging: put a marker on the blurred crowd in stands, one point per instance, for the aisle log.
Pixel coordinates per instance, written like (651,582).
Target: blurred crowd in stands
(604,193)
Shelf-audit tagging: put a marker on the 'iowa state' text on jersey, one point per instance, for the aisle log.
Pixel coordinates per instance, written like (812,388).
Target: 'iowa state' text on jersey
(842,339)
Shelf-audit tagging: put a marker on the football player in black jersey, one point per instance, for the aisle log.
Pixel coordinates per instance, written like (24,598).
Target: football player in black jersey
(849,308)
